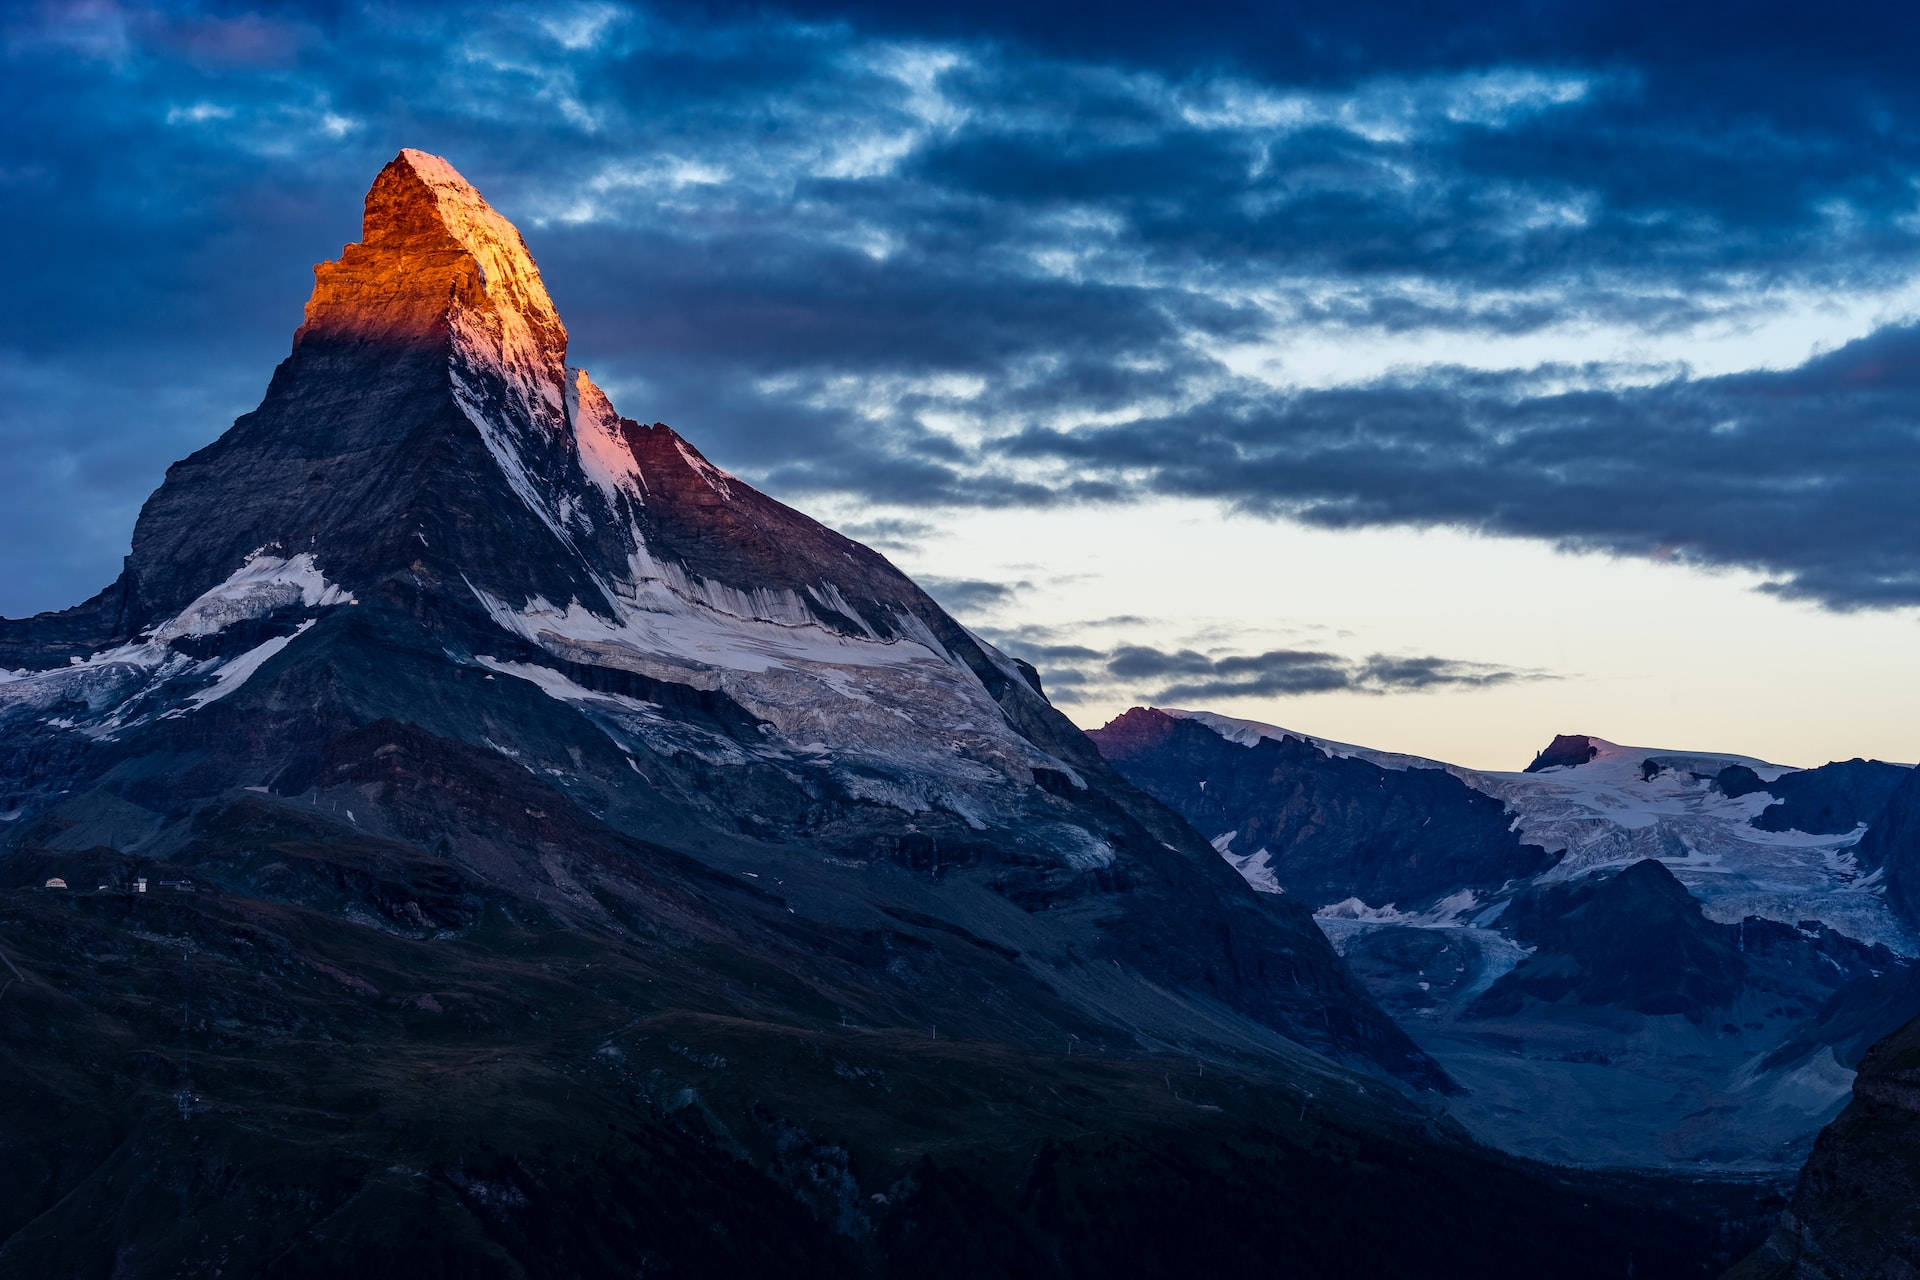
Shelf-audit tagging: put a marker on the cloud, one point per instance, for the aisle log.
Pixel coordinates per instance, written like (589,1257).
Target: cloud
(1079,674)
(1190,675)
(115,33)
(995,255)
(1386,674)
(889,533)
(967,596)
(1799,474)
(1288,672)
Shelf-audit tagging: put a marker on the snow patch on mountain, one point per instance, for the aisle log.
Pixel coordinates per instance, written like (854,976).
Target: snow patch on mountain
(107,692)
(230,675)
(602,448)
(1083,848)
(1450,910)
(854,705)
(718,628)
(1256,869)
(265,584)
(1608,812)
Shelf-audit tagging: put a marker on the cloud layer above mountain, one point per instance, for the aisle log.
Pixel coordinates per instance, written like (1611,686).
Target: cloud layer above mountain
(1642,282)
(1078,674)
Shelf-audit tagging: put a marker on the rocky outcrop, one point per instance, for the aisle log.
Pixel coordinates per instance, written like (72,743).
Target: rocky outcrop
(1564,752)
(1855,1214)
(1635,939)
(1832,799)
(1331,827)
(1892,845)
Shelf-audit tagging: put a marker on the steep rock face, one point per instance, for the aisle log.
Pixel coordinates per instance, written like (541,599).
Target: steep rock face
(1324,828)
(1855,1214)
(1892,845)
(432,250)
(1832,799)
(1635,939)
(433,520)
(371,443)
(1564,752)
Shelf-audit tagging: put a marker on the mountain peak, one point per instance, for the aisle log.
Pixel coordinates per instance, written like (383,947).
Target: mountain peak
(432,253)
(1566,750)
(433,169)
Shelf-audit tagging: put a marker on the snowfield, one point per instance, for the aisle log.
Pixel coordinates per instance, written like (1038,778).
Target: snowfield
(1605,814)
(146,679)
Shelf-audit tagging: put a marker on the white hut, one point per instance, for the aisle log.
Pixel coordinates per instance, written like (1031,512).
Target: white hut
(56,883)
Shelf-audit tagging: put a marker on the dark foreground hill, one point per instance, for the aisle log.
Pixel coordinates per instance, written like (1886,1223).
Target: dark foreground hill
(1856,1212)
(218,1084)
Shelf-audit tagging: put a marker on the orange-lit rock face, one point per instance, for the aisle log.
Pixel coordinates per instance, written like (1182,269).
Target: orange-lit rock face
(436,263)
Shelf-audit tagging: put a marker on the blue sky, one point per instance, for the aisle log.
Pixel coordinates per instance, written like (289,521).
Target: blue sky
(1616,307)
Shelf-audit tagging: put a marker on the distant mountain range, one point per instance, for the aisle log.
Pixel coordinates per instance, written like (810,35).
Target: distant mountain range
(1624,955)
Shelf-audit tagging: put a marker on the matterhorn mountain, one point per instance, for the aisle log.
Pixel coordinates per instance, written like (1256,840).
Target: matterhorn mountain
(477,835)
(1624,956)
(434,521)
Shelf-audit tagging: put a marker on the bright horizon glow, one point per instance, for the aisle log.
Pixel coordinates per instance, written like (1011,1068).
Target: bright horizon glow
(1648,654)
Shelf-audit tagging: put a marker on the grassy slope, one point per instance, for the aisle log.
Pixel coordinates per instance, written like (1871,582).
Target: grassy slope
(223,1084)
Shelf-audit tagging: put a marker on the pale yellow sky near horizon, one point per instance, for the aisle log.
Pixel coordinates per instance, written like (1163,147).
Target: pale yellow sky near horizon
(1646,654)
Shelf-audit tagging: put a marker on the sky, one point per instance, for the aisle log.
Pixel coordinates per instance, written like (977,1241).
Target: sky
(1437,377)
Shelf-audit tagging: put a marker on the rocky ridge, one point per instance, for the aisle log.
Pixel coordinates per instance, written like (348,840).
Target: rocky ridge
(1624,955)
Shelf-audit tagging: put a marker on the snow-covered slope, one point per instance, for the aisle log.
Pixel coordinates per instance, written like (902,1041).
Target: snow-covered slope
(1628,803)
(1608,813)
(194,657)
(1683,975)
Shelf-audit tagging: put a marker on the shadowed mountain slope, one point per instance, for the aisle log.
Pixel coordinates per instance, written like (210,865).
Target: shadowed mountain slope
(1327,827)
(1855,1214)
(1622,955)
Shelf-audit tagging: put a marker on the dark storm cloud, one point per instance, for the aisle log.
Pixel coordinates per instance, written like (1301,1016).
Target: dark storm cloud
(1386,674)
(1137,672)
(1733,53)
(904,256)
(1805,474)
(1188,674)
(970,595)
(890,533)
